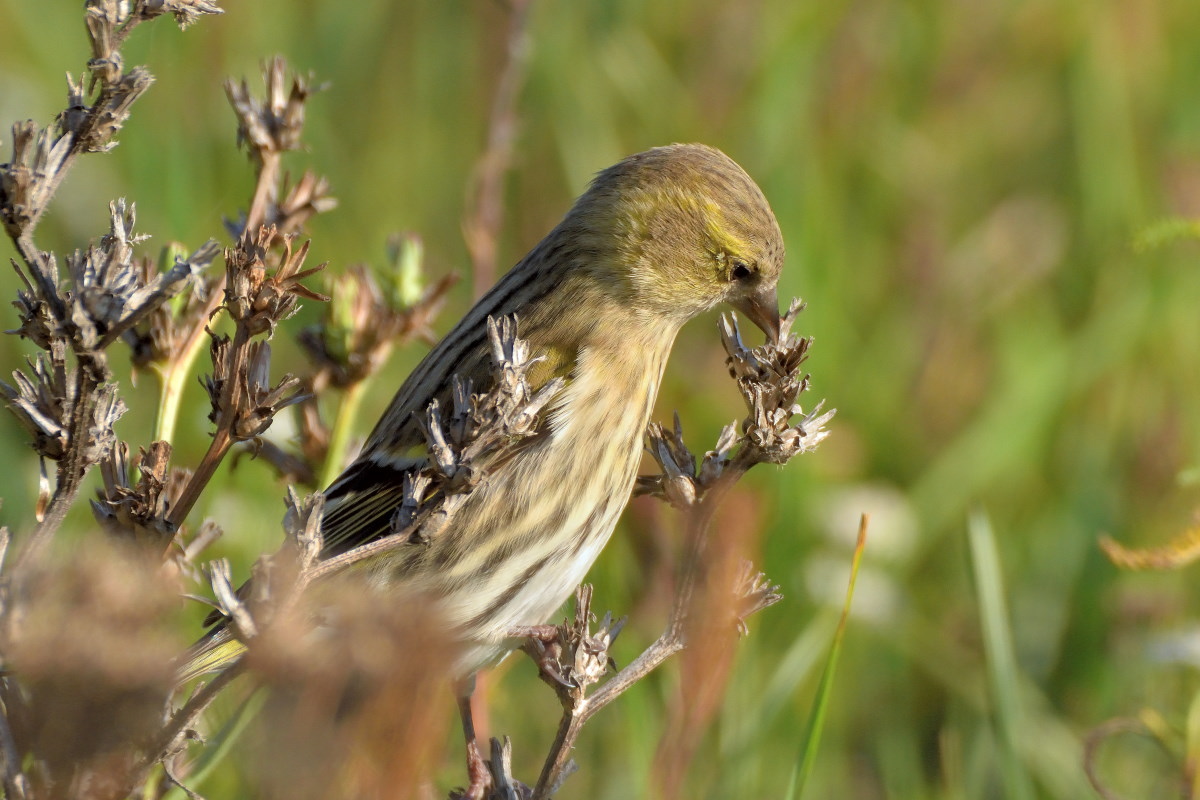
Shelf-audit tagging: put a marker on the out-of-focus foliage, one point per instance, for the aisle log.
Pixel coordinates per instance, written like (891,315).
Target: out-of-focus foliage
(960,185)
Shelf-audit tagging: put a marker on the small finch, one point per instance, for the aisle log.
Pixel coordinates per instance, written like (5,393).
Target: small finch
(657,239)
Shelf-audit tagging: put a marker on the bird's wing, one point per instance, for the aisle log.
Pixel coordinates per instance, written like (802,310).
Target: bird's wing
(361,502)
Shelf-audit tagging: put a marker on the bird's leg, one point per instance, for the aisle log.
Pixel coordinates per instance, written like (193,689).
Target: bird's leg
(477,769)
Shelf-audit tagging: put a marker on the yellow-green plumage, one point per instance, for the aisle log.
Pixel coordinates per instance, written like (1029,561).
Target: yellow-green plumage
(657,239)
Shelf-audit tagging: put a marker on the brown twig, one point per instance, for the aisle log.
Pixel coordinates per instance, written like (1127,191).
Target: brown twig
(268,128)
(41,161)
(222,439)
(29,182)
(266,188)
(485,206)
(672,640)
(170,738)
(70,474)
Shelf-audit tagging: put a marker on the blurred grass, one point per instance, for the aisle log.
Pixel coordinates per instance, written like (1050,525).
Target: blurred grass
(960,186)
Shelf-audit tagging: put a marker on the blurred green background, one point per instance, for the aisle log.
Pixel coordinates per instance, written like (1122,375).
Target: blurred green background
(960,185)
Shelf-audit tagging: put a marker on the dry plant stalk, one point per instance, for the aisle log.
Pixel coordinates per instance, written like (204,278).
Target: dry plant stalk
(485,206)
(69,404)
(352,703)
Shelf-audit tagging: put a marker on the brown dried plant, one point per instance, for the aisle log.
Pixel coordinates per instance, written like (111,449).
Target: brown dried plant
(355,701)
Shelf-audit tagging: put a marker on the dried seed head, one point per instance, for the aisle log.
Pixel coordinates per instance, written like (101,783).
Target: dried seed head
(44,405)
(107,116)
(185,11)
(264,400)
(160,336)
(260,299)
(256,402)
(274,125)
(138,511)
(769,380)
(26,182)
(301,202)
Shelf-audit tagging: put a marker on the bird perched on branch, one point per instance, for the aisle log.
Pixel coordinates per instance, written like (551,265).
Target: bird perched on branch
(657,239)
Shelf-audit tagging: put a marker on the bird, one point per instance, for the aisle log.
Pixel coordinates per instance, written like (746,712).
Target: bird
(656,239)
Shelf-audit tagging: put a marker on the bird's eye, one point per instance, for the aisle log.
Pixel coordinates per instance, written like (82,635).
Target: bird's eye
(740,271)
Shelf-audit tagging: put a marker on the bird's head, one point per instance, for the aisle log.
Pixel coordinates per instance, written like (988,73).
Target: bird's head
(691,230)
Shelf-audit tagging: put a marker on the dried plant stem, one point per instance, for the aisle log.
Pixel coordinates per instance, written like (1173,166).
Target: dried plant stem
(223,438)
(485,212)
(71,470)
(73,467)
(121,32)
(35,261)
(168,738)
(672,640)
(265,190)
(339,436)
(91,372)
(217,450)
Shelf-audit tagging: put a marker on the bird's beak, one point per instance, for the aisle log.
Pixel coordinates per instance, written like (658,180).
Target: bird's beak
(762,309)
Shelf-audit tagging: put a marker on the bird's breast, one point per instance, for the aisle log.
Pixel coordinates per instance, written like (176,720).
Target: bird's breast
(527,537)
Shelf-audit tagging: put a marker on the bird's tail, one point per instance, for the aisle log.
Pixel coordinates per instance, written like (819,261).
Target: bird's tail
(216,651)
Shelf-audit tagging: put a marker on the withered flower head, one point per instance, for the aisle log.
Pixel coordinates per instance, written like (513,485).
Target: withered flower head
(258,298)
(44,404)
(25,188)
(273,126)
(770,383)
(159,338)
(256,400)
(138,511)
(365,319)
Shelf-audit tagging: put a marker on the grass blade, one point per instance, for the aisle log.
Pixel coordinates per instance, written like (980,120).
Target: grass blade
(816,718)
(1003,673)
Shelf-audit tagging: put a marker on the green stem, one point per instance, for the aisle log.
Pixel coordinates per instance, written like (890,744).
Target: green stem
(177,370)
(339,437)
(170,392)
(816,715)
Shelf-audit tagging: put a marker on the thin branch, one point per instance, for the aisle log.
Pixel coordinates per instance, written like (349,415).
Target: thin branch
(169,738)
(485,212)
(222,439)
(672,641)
(266,189)
(40,163)
(72,469)
(268,129)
